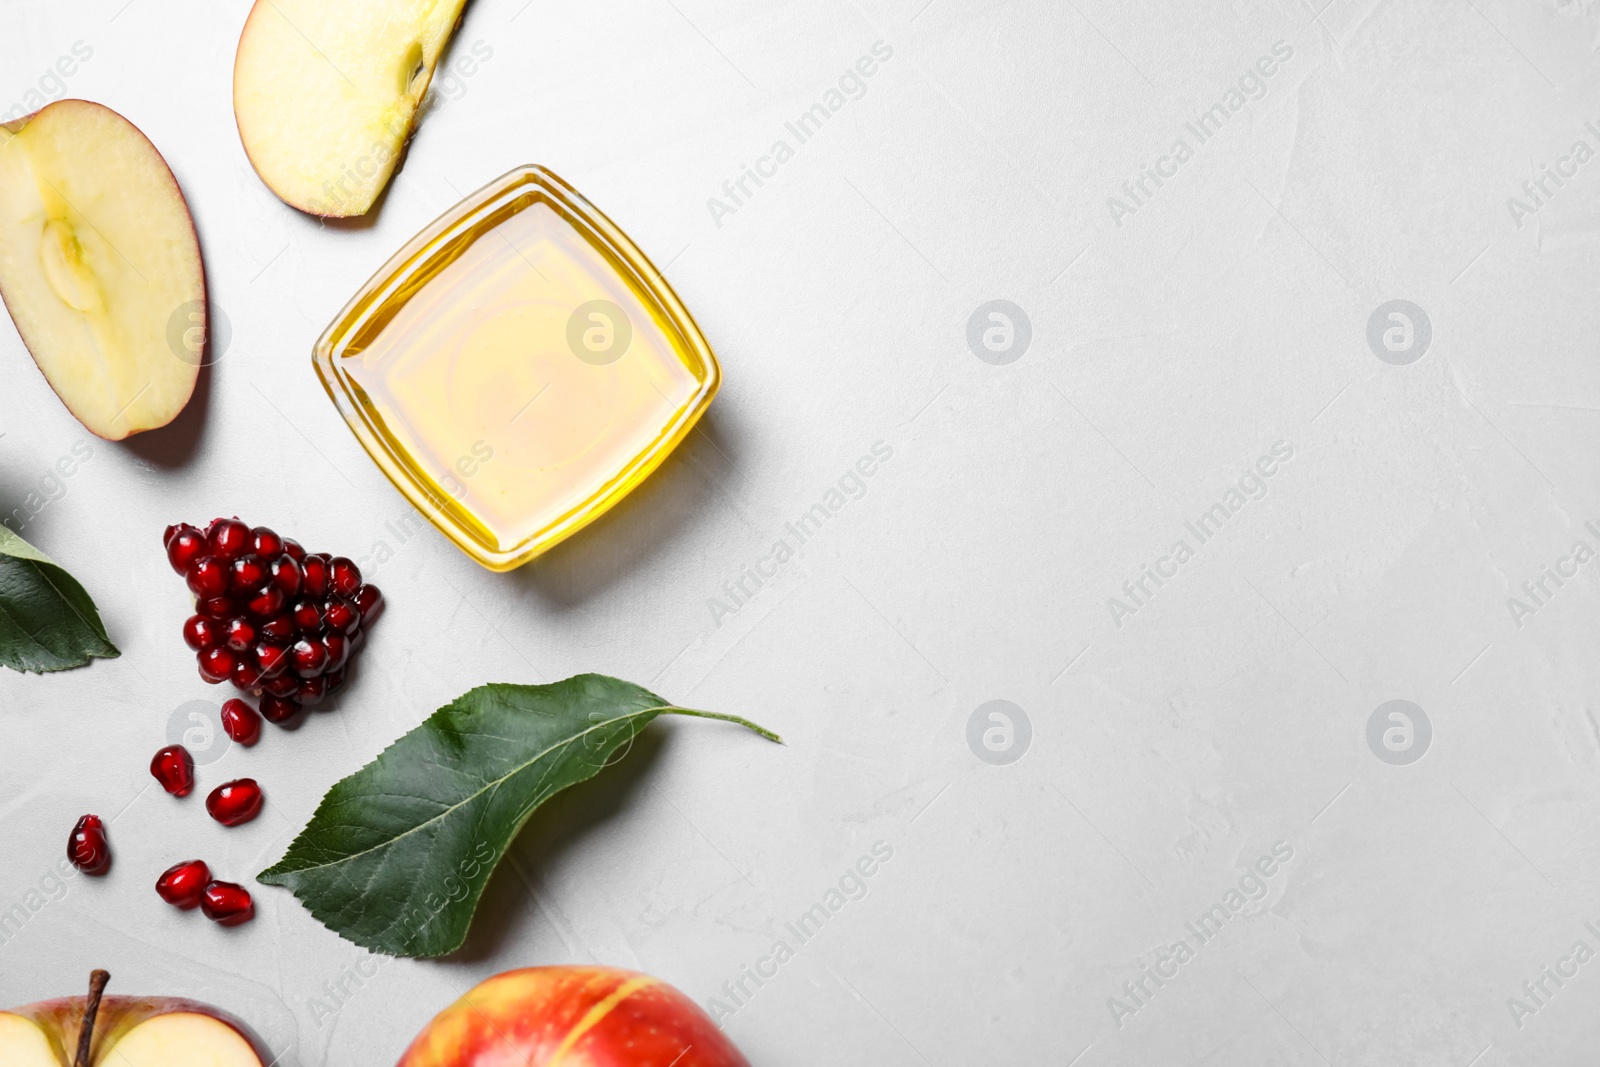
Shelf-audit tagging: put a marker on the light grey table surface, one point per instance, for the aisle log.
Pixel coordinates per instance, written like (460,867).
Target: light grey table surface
(1172,734)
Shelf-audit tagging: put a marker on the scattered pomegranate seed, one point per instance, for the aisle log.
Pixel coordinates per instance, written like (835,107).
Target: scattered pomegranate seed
(173,767)
(88,848)
(201,633)
(280,709)
(312,690)
(183,884)
(216,665)
(292,549)
(265,543)
(229,538)
(240,722)
(227,903)
(235,802)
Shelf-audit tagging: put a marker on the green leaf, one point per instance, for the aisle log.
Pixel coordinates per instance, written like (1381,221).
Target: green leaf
(397,855)
(47,621)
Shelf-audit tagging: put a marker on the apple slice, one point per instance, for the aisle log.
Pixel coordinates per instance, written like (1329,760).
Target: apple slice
(98,261)
(326,94)
(126,1032)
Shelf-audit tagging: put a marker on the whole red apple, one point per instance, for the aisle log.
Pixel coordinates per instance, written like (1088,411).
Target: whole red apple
(575,1017)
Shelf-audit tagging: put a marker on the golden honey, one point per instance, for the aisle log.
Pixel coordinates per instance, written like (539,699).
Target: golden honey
(517,368)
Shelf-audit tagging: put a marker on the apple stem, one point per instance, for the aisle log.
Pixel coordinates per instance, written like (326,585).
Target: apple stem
(97,988)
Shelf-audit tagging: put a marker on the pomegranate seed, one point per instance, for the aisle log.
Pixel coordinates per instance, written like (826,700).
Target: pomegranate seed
(240,722)
(311,691)
(184,547)
(182,884)
(216,664)
(341,616)
(208,577)
(280,709)
(283,686)
(219,608)
(335,680)
(173,767)
(285,574)
(337,646)
(267,603)
(88,848)
(308,617)
(247,574)
(308,657)
(279,628)
(265,543)
(369,600)
(235,802)
(170,532)
(344,576)
(227,903)
(238,634)
(292,548)
(246,675)
(201,633)
(272,659)
(315,580)
(229,538)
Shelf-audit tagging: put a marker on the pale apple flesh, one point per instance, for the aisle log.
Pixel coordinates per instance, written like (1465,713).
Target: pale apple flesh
(129,1032)
(98,255)
(575,1017)
(325,94)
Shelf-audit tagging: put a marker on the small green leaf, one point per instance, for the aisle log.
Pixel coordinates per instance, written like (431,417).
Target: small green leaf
(397,855)
(47,621)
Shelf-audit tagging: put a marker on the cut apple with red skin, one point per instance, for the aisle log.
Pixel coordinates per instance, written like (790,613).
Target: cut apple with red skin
(326,94)
(575,1017)
(98,259)
(128,1032)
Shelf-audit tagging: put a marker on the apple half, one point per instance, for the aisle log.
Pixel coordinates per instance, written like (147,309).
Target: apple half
(126,1032)
(326,94)
(100,266)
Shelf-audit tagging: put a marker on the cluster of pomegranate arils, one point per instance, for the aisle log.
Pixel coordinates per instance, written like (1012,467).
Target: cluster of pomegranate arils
(269,616)
(274,620)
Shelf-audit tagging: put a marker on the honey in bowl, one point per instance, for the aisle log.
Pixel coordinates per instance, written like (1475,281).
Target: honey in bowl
(517,368)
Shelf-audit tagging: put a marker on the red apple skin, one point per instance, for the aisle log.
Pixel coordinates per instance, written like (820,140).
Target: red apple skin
(118,1015)
(585,1016)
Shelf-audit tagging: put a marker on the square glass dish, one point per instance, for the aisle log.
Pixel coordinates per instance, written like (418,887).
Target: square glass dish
(517,368)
